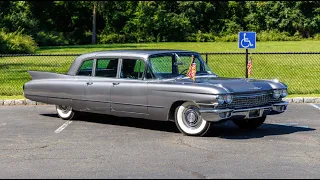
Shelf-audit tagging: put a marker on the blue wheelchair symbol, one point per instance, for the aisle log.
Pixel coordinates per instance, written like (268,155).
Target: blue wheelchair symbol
(247,40)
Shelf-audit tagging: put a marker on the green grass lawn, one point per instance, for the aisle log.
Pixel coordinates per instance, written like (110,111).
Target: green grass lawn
(300,72)
(272,46)
(12,97)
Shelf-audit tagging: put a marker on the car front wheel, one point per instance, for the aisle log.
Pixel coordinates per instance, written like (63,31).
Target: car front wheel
(189,121)
(65,112)
(250,124)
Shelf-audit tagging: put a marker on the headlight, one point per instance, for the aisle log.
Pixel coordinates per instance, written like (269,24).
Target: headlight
(220,99)
(228,99)
(284,93)
(276,93)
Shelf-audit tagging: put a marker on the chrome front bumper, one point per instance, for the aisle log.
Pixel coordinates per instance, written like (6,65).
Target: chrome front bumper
(216,115)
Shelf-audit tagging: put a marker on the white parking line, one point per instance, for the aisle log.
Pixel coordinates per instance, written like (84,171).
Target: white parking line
(315,106)
(63,126)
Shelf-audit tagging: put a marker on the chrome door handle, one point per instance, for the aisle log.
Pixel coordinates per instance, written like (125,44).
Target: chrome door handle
(89,83)
(115,83)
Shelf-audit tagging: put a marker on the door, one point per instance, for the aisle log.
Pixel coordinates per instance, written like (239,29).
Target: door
(99,86)
(77,88)
(129,94)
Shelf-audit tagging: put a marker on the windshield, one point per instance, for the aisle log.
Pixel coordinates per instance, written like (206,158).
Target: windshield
(177,65)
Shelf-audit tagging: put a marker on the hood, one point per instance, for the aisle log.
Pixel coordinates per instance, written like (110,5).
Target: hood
(232,85)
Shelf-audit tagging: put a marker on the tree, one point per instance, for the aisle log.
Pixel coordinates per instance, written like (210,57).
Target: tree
(94,21)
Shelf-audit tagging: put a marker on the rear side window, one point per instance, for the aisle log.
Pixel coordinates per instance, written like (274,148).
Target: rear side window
(132,68)
(106,67)
(139,68)
(86,68)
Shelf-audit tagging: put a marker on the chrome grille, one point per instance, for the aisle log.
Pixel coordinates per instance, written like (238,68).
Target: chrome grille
(250,100)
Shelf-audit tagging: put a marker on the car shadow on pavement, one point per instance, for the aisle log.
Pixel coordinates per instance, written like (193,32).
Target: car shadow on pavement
(226,130)
(229,130)
(165,126)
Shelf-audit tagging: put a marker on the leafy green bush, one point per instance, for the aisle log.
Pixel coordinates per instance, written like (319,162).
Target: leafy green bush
(111,38)
(317,37)
(191,38)
(228,38)
(16,43)
(51,38)
(297,36)
(261,36)
(275,35)
(204,37)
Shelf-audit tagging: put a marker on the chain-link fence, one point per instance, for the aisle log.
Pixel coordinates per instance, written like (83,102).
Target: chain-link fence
(299,70)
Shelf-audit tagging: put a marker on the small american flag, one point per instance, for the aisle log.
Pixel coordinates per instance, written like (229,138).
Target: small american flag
(250,66)
(192,69)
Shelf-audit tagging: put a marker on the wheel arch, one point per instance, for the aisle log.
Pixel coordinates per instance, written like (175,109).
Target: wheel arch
(173,109)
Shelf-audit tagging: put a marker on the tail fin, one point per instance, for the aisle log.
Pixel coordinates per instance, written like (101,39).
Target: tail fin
(44,75)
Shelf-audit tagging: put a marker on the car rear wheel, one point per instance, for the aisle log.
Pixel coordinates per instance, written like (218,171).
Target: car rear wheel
(189,121)
(250,124)
(65,112)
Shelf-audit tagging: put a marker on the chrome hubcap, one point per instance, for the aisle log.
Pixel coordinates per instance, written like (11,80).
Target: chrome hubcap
(192,118)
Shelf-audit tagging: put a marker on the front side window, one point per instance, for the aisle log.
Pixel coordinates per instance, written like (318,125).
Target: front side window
(177,64)
(86,68)
(161,64)
(106,68)
(132,68)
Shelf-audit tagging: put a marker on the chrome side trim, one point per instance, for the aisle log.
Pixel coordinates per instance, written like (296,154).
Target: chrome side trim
(208,104)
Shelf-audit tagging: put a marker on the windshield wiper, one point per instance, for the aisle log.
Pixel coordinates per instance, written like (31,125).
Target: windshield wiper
(180,77)
(206,75)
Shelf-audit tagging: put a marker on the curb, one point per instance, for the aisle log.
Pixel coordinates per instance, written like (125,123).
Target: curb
(17,102)
(303,100)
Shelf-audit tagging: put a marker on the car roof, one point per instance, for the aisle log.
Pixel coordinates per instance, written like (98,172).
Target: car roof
(139,52)
(136,53)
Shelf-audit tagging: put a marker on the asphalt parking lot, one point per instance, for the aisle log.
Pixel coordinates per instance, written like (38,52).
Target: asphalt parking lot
(35,143)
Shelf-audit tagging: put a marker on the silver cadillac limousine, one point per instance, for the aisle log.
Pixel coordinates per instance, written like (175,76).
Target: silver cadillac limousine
(152,84)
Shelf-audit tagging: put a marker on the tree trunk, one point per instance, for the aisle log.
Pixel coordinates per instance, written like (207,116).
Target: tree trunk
(94,35)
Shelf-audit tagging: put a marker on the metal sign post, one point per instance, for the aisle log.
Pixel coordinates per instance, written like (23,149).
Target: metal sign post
(247,40)
(247,63)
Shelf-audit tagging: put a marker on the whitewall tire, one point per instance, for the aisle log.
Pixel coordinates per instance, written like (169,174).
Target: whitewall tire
(65,112)
(189,121)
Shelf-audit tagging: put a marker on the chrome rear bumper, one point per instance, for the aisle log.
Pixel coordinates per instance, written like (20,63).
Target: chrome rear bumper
(216,115)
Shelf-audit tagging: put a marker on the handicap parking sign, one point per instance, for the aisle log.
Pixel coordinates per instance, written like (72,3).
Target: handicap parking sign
(247,40)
